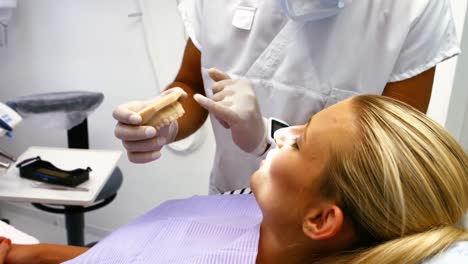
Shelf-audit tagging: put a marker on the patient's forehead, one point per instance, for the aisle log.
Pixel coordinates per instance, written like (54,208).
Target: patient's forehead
(329,131)
(336,122)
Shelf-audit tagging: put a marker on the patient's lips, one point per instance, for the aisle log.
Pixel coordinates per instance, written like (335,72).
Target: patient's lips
(268,157)
(163,112)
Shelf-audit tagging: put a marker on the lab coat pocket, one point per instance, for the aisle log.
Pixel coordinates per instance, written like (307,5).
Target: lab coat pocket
(243,17)
(337,95)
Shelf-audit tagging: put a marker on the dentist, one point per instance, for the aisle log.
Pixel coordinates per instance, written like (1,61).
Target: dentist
(289,59)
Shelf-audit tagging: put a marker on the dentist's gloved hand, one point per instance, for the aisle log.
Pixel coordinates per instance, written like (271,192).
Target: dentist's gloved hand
(143,143)
(235,106)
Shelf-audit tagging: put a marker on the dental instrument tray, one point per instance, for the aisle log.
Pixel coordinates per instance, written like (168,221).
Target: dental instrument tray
(44,171)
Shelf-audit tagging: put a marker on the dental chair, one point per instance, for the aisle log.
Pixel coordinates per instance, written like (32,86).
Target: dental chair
(70,109)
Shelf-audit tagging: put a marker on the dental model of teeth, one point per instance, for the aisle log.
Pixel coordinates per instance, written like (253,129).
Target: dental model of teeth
(162,112)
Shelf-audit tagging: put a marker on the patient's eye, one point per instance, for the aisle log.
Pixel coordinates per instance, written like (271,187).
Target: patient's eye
(294,144)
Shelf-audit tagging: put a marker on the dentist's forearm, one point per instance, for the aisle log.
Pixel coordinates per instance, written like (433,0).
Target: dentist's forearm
(415,91)
(194,116)
(189,78)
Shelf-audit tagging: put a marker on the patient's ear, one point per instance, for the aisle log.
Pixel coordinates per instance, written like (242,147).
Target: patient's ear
(323,223)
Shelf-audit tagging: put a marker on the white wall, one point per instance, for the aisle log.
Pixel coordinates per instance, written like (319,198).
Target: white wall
(464,131)
(93,45)
(457,118)
(445,72)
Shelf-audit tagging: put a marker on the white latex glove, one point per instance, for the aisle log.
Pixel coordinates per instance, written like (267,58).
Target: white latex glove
(143,143)
(235,106)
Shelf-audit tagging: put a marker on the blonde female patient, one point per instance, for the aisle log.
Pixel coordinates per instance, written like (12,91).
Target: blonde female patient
(368,180)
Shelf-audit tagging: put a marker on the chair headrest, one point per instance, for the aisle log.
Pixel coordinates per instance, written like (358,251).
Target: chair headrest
(74,101)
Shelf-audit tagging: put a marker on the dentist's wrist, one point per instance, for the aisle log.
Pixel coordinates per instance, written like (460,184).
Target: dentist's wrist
(173,131)
(171,135)
(264,145)
(271,125)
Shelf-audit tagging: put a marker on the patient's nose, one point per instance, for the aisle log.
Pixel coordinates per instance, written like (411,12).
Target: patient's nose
(284,135)
(280,137)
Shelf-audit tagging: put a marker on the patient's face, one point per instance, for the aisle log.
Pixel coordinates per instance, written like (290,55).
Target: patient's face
(288,180)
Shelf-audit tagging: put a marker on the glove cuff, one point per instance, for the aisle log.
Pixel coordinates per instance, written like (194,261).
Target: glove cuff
(172,132)
(264,145)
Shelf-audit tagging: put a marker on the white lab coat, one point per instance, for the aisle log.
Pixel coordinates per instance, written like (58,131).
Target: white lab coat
(298,69)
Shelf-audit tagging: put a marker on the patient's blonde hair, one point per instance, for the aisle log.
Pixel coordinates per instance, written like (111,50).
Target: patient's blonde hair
(403,182)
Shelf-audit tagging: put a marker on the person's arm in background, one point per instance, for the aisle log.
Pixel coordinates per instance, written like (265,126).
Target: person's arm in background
(415,91)
(42,253)
(189,78)
(5,246)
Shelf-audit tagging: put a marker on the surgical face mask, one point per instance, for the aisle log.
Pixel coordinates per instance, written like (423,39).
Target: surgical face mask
(312,10)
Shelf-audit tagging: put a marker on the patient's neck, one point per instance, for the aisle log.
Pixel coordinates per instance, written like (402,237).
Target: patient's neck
(273,248)
(283,245)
